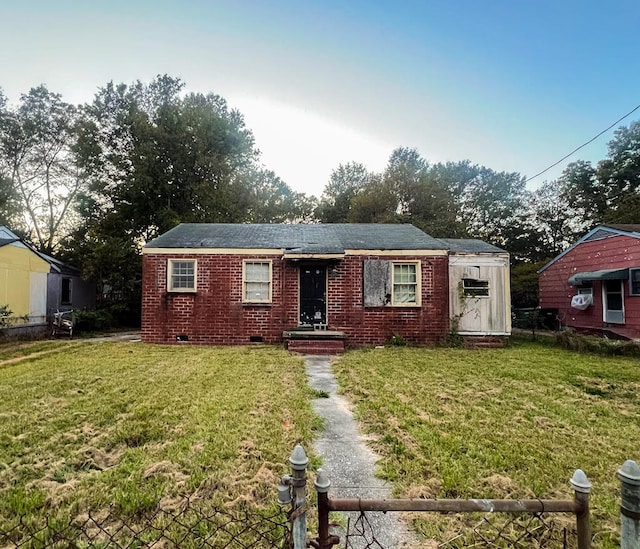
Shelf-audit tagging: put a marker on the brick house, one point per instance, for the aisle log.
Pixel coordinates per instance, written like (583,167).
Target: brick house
(594,285)
(342,284)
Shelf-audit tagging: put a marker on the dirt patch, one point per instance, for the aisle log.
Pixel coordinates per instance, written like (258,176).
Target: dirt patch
(57,493)
(166,469)
(430,490)
(502,487)
(98,458)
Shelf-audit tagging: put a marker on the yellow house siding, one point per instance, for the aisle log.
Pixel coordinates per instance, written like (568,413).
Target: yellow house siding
(23,280)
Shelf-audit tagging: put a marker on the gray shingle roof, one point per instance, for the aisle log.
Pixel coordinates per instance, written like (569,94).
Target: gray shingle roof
(300,238)
(60,266)
(6,241)
(471,246)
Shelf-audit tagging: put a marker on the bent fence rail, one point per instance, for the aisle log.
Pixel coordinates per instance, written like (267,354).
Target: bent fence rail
(579,507)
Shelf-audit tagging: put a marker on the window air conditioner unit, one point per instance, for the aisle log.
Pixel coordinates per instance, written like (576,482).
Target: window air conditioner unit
(581,301)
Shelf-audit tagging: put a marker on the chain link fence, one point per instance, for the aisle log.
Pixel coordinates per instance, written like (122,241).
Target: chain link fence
(537,530)
(191,525)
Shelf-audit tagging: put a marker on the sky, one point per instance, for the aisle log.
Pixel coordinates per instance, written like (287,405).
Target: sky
(512,85)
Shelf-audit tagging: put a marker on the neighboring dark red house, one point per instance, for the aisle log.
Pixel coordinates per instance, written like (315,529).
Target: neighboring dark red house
(595,284)
(358,284)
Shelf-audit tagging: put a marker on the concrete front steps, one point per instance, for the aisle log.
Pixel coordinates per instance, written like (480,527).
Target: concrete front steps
(314,342)
(484,342)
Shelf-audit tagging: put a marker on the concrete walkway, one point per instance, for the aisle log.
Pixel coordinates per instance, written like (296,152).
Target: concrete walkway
(350,463)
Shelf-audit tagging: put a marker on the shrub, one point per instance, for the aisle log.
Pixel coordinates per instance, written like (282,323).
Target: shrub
(397,340)
(569,339)
(96,320)
(5,315)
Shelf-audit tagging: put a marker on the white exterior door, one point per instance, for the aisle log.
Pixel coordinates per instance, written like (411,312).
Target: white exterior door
(612,301)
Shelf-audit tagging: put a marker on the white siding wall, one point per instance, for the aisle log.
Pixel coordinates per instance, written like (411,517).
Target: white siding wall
(481,315)
(38,297)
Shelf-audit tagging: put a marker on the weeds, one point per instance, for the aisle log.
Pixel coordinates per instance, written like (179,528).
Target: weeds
(503,423)
(98,425)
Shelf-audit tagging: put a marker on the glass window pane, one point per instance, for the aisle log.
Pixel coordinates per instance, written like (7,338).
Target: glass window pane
(257,280)
(405,279)
(256,291)
(635,281)
(182,275)
(404,293)
(257,272)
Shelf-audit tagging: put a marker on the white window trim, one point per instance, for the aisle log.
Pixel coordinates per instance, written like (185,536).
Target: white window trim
(245,262)
(170,263)
(418,301)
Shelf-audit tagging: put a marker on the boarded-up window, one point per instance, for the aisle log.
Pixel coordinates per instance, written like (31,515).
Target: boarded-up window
(376,282)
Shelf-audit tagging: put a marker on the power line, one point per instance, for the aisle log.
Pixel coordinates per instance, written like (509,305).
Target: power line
(583,145)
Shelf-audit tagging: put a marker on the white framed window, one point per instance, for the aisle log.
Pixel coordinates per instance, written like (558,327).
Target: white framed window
(473,287)
(405,283)
(634,281)
(181,275)
(256,281)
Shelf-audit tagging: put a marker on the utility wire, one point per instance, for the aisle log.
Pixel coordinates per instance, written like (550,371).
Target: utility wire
(583,145)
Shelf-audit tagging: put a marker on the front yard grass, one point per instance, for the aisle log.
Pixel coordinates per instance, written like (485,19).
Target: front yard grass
(505,423)
(131,427)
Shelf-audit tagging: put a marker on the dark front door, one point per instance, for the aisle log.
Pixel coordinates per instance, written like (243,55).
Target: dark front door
(313,293)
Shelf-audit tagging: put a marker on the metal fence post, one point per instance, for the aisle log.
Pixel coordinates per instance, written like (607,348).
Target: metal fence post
(629,475)
(299,462)
(325,539)
(582,488)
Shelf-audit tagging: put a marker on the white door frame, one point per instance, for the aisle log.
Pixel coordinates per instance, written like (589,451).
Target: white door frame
(605,304)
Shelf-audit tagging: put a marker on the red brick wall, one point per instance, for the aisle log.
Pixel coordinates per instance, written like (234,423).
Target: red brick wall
(616,252)
(216,315)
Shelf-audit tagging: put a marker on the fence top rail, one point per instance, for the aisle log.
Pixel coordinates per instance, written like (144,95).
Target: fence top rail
(458,505)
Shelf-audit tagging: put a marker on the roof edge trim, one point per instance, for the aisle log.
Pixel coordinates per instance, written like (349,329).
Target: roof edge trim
(213,251)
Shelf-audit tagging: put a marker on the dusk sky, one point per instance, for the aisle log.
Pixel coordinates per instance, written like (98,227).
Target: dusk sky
(513,85)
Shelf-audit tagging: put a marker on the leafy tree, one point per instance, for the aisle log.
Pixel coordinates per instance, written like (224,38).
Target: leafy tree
(10,210)
(407,191)
(424,197)
(273,201)
(524,284)
(608,192)
(492,202)
(346,181)
(37,154)
(157,159)
(583,189)
(557,221)
(375,203)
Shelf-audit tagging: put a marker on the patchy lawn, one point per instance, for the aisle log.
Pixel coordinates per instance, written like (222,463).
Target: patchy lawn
(94,425)
(506,423)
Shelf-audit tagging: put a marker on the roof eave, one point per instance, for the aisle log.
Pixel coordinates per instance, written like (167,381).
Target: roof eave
(298,256)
